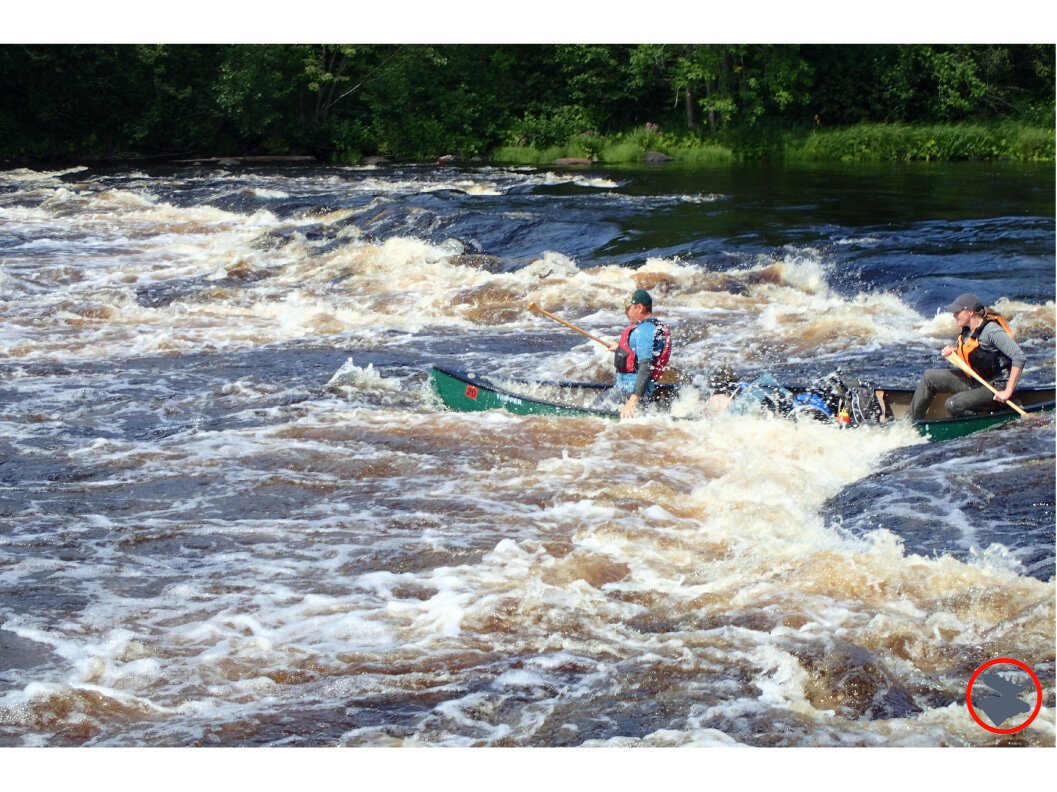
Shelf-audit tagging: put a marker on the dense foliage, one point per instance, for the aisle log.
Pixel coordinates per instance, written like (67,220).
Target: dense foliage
(421,101)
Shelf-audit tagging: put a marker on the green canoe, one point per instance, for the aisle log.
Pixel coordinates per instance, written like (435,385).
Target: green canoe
(464,391)
(939,425)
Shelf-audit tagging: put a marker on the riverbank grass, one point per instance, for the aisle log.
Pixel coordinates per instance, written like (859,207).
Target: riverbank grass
(895,142)
(859,143)
(619,149)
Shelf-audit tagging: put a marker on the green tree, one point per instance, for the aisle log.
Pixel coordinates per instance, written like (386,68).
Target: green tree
(929,83)
(426,100)
(64,99)
(262,90)
(178,113)
(730,84)
(433,100)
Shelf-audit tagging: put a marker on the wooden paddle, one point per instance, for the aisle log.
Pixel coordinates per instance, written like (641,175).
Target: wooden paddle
(533,307)
(671,375)
(957,361)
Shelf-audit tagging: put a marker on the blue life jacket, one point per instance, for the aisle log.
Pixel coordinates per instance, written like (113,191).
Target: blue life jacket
(625,359)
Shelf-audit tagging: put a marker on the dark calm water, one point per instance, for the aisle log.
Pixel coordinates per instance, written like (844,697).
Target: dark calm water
(231,513)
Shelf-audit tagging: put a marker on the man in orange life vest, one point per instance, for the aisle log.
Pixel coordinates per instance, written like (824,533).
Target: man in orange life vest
(986,343)
(642,352)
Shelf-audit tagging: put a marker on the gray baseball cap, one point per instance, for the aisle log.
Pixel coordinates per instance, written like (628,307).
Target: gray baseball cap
(965,302)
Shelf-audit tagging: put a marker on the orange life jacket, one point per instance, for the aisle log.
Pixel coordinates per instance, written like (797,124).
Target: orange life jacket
(988,364)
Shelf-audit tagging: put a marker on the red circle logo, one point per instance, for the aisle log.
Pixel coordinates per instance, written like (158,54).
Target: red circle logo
(1006,702)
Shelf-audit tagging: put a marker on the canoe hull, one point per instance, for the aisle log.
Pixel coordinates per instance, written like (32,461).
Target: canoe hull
(467,392)
(950,428)
(462,391)
(937,425)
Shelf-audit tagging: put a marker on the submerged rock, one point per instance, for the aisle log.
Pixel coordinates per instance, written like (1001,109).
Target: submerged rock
(480,261)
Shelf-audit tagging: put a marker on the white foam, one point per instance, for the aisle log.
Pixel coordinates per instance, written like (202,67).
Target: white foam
(296,552)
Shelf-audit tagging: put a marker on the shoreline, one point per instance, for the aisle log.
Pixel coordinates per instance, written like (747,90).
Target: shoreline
(862,143)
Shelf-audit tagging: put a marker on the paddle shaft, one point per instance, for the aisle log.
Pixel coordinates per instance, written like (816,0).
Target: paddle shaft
(533,307)
(957,361)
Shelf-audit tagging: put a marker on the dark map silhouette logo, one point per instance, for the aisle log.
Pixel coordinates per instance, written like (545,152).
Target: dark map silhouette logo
(1001,693)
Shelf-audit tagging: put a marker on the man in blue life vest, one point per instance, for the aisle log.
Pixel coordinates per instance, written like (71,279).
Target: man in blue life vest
(986,343)
(642,352)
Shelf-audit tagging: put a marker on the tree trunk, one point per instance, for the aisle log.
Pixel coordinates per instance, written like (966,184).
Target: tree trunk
(691,108)
(711,110)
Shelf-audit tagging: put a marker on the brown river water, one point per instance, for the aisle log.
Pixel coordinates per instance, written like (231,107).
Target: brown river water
(232,514)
